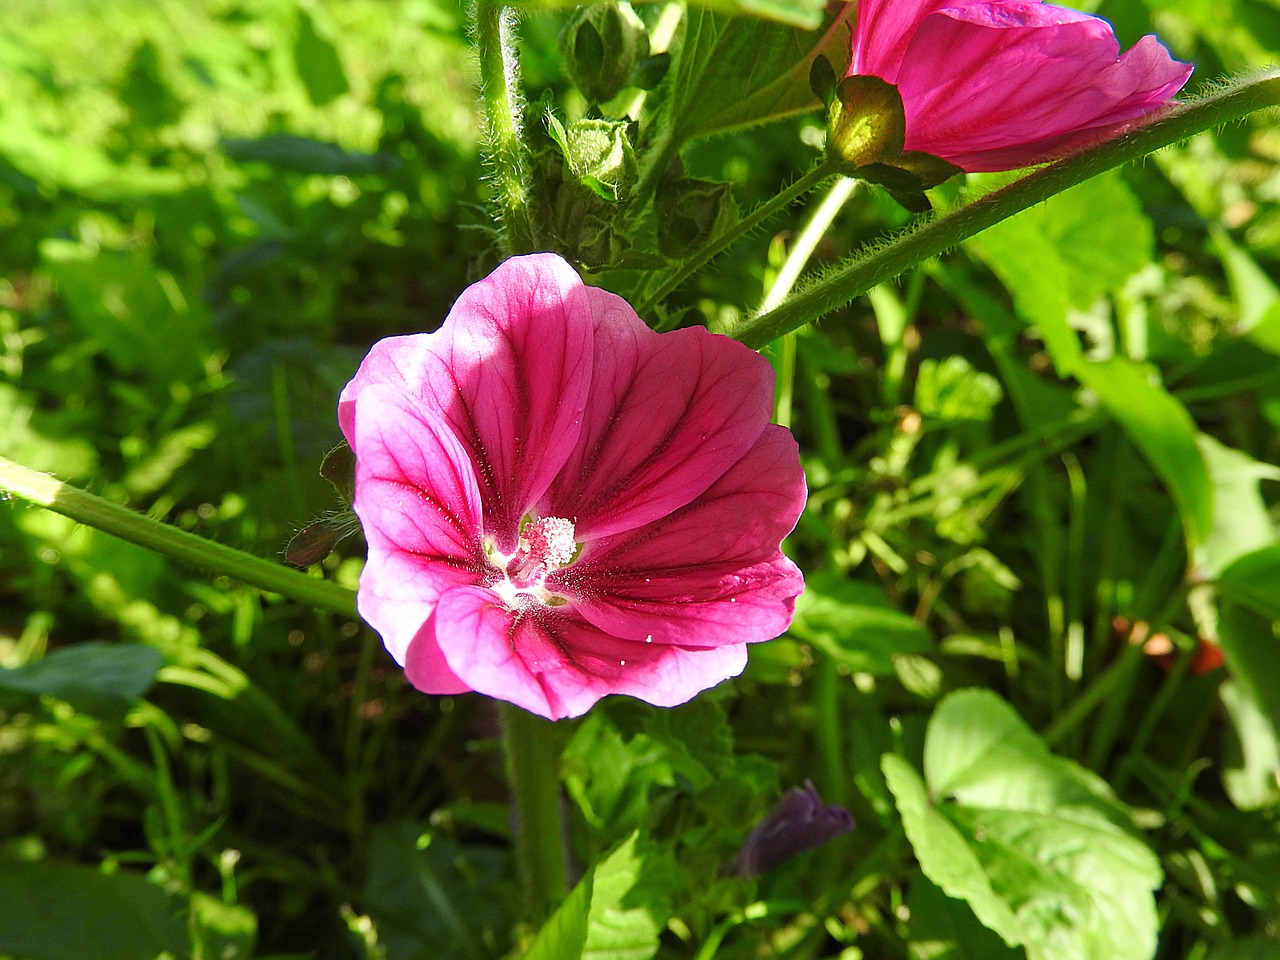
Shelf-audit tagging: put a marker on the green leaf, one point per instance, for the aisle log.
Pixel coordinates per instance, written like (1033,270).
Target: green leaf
(1241,522)
(1248,948)
(732,73)
(944,928)
(800,13)
(854,623)
(1252,580)
(432,897)
(224,931)
(318,63)
(953,390)
(563,936)
(51,911)
(610,777)
(630,902)
(1252,764)
(1061,255)
(1160,427)
(943,851)
(89,675)
(1251,649)
(298,154)
(1033,843)
(131,309)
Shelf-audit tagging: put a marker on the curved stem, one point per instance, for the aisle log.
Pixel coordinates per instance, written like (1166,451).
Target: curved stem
(500,93)
(861,273)
(533,760)
(93,511)
(718,244)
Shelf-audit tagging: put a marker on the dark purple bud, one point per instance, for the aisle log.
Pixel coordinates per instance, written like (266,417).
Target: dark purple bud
(798,822)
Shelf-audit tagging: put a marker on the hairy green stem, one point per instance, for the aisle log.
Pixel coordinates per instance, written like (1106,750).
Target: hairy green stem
(500,94)
(533,760)
(856,276)
(718,244)
(94,511)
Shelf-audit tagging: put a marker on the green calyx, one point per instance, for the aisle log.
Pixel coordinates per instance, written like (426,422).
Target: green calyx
(866,133)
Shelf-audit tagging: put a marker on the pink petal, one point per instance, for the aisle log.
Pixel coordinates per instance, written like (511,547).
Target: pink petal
(885,28)
(425,665)
(553,664)
(709,573)
(1024,82)
(419,504)
(509,371)
(666,416)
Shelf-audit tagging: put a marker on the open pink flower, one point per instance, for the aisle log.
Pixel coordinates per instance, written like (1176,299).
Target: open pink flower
(1000,84)
(562,504)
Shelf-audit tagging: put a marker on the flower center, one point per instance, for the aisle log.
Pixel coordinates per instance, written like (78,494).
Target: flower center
(546,544)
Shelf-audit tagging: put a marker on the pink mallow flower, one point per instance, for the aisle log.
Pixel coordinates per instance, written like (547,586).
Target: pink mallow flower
(561,503)
(1001,84)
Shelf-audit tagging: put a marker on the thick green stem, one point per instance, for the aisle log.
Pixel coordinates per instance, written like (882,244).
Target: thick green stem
(112,518)
(718,244)
(861,273)
(533,761)
(500,94)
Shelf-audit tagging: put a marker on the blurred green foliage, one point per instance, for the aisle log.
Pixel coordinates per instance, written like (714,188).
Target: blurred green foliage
(1029,462)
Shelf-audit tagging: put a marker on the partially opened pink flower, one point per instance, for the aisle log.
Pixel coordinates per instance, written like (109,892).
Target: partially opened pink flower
(1000,84)
(562,504)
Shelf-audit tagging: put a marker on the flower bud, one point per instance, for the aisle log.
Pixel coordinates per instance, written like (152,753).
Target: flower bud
(690,212)
(800,821)
(600,46)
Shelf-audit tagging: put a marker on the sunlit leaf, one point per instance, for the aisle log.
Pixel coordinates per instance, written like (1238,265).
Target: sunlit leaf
(630,902)
(564,935)
(1241,523)
(854,623)
(1160,427)
(1032,842)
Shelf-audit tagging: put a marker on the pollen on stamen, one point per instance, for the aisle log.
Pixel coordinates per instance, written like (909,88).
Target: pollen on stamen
(550,541)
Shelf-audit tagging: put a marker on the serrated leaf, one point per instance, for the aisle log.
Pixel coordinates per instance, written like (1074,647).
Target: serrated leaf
(944,855)
(1162,429)
(564,935)
(1033,843)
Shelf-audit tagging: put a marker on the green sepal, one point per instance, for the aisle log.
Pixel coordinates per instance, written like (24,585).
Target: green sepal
(866,122)
(339,468)
(823,80)
(690,212)
(601,46)
(650,71)
(318,539)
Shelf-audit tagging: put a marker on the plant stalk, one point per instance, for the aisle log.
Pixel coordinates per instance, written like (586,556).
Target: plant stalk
(859,274)
(533,760)
(101,514)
